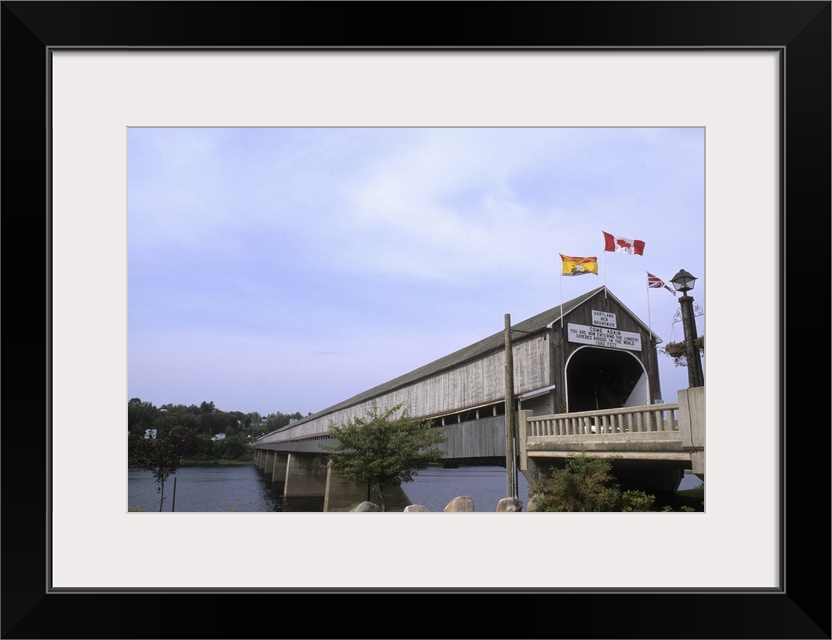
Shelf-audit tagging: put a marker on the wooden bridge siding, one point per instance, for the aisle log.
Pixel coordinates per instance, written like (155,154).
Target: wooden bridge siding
(533,357)
(473,384)
(480,382)
(484,438)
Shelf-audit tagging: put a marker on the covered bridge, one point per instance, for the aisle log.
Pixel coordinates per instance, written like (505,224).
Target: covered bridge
(586,354)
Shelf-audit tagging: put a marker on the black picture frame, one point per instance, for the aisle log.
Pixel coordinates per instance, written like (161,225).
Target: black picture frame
(799,30)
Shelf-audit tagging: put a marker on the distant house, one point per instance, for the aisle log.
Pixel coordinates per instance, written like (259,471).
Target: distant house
(149,433)
(219,436)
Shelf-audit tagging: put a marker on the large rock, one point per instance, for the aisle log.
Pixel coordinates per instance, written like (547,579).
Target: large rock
(365,506)
(460,503)
(415,508)
(510,504)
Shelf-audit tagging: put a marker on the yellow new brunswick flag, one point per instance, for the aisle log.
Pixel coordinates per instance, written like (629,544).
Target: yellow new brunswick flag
(578,266)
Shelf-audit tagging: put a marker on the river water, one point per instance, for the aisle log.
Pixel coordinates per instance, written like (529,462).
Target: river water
(246,489)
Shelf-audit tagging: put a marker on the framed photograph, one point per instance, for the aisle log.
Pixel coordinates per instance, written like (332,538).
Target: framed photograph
(79,77)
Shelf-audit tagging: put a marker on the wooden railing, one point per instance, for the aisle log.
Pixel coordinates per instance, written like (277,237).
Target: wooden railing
(642,419)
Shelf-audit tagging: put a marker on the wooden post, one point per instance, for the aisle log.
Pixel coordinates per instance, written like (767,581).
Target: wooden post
(511,482)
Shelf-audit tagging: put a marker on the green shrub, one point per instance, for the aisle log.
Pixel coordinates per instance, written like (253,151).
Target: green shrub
(637,501)
(586,484)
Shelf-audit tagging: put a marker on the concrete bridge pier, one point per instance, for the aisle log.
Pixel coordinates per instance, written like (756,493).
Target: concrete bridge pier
(305,476)
(281,461)
(343,494)
(533,471)
(261,458)
(268,463)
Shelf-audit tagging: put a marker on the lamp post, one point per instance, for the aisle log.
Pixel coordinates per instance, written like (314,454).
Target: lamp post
(683,282)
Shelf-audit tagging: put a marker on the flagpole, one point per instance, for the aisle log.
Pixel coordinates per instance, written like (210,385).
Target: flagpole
(561,294)
(649,339)
(604,254)
(649,324)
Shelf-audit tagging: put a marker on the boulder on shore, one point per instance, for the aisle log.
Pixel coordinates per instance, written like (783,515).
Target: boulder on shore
(509,504)
(460,503)
(364,507)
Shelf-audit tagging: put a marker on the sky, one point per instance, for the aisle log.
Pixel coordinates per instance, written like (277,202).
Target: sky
(289,269)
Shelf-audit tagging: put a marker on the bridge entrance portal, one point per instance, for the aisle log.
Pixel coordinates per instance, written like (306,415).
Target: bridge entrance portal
(599,378)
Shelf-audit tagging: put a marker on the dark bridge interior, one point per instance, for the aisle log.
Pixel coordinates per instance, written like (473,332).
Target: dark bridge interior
(601,379)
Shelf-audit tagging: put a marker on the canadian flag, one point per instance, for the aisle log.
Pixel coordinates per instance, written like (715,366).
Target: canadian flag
(623,245)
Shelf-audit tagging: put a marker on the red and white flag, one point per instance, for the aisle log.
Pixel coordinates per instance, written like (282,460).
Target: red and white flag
(623,245)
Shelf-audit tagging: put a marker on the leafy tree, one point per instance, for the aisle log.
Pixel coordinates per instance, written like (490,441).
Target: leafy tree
(586,484)
(382,450)
(161,455)
(212,422)
(201,422)
(234,448)
(140,415)
(207,407)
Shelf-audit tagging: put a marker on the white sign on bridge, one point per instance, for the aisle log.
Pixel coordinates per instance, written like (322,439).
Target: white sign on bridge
(604,337)
(603,319)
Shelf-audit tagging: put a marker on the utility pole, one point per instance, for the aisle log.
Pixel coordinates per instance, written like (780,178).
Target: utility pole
(511,478)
